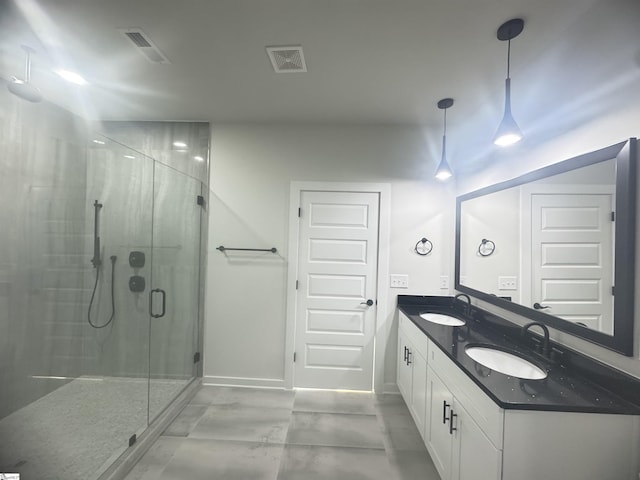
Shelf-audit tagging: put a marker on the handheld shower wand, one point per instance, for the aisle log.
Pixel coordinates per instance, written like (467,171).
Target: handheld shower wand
(96,235)
(97,263)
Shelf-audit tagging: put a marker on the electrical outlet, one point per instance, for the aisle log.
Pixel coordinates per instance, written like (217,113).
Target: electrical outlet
(399,281)
(507,283)
(444,282)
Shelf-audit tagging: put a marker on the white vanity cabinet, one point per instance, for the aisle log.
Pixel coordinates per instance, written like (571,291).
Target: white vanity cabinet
(412,369)
(459,447)
(470,437)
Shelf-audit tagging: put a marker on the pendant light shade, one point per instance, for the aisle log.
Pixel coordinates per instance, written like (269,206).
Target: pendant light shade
(508,131)
(443,172)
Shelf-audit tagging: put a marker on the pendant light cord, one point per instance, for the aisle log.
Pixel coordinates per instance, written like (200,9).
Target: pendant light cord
(508,57)
(444,137)
(444,133)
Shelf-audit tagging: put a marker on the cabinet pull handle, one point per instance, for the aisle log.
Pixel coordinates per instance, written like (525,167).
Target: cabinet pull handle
(409,357)
(451,427)
(405,354)
(445,405)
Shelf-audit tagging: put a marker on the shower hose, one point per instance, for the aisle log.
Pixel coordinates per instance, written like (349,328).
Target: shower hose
(93,294)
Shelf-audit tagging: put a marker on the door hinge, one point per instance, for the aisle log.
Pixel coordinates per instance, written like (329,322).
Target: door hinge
(200,201)
(613,290)
(294,357)
(196,357)
(613,216)
(132,439)
(299,212)
(297,284)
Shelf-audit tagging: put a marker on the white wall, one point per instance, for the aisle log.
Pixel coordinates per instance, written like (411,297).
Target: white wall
(251,170)
(252,166)
(495,217)
(612,126)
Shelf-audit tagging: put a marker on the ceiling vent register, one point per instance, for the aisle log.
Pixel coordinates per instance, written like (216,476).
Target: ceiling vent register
(144,45)
(287,59)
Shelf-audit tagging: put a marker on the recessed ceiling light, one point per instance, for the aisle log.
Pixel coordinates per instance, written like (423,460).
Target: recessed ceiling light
(198,158)
(129,156)
(72,77)
(180,144)
(99,142)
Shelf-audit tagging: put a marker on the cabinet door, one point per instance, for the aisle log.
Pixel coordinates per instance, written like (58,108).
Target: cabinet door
(437,438)
(418,390)
(404,369)
(474,456)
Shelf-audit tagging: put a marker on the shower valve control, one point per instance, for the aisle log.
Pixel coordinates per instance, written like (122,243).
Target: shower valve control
(136,259)
(136,284)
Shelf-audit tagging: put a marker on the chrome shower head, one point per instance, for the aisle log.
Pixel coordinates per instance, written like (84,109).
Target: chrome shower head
(24,88)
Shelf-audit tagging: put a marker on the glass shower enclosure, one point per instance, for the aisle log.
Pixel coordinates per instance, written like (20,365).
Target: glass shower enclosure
(100,287)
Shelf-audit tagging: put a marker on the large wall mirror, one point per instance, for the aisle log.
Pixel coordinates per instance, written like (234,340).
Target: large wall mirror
(557,245)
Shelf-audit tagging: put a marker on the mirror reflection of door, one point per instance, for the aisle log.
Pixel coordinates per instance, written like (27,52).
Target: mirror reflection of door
(572,243)
(554,245)
(575,274)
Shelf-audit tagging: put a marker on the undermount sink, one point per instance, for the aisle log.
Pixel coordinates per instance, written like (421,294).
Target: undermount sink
(442,319)
(505,362)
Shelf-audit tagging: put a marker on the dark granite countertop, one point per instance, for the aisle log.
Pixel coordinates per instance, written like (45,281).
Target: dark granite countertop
(573,384)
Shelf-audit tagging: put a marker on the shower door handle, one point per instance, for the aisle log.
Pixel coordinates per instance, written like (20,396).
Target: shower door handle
(164,302)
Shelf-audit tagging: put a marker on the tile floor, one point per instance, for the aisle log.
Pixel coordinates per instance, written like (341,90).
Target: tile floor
(257,434)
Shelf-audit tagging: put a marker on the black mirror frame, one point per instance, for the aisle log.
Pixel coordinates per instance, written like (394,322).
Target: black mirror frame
(626,154)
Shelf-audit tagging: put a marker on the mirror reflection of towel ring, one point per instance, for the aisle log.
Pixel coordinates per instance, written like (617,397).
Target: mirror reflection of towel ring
(423,247)
(486,248)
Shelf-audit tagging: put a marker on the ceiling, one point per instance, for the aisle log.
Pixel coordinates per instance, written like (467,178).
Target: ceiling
(369,61)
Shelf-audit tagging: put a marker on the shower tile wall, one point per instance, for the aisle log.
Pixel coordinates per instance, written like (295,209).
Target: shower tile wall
(155,139)
(124,187)
(42,218)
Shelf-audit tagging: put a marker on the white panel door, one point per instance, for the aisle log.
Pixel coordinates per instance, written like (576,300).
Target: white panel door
(572,272)
(337,269)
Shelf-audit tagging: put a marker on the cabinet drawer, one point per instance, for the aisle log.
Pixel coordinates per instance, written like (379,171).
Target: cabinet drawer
(482,409)
(416,337)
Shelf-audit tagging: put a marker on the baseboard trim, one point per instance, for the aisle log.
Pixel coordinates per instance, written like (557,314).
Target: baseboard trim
(243,382)
(390,387)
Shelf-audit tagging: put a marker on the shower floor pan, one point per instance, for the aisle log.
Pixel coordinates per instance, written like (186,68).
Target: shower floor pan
(76,431)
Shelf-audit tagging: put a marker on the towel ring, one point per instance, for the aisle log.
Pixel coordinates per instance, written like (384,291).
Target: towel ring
(423,247)
(486,248)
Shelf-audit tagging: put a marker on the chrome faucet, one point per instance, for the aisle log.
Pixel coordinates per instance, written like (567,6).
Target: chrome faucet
(467,308)
(545,342)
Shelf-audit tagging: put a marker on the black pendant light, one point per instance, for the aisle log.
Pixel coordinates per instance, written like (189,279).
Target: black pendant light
(444,170)
(508,132)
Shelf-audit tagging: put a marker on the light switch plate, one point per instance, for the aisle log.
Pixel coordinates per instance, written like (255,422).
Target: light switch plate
(507,283)
(399,281)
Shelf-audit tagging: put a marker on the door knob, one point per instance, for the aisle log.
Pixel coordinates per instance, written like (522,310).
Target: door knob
(537,306)
(368,303)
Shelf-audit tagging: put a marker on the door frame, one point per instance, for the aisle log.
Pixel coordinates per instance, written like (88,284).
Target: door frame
(384,311)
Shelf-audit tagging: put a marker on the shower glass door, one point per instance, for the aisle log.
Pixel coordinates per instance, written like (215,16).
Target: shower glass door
(115,344)
(175,286)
